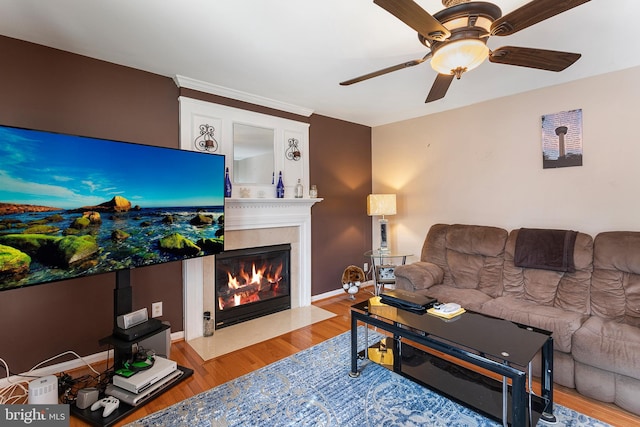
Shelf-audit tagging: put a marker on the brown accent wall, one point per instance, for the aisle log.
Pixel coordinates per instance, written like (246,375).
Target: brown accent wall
(48,89)
(340,228)
(52,90)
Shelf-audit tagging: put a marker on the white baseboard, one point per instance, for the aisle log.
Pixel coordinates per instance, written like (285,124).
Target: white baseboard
(338,292)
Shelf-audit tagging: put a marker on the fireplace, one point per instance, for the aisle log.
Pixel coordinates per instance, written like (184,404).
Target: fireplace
(251,283)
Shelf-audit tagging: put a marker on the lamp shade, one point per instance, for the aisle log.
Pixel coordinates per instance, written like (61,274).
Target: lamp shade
(381,204)
(464,54)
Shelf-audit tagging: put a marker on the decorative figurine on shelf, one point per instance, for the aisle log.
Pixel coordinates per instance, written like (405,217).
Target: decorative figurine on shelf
(352,277)
(227,184)
(280,187)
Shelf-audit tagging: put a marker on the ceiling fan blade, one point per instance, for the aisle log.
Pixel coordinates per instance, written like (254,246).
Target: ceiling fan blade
(440,87)
(386,70)
(530,14)
(542,59)
(415,17)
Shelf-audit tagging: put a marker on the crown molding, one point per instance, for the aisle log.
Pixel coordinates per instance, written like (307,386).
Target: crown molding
(199,85)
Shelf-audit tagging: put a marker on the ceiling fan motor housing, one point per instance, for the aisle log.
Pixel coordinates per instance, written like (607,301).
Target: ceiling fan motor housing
(470,20)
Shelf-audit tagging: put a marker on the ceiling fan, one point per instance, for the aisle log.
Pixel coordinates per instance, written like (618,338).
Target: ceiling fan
(457,38)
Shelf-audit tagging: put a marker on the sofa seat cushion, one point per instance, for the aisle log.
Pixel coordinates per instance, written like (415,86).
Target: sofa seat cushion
(608,345)
(471,299)
(561,322)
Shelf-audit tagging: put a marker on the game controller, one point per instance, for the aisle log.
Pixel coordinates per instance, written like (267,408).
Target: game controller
(109,404)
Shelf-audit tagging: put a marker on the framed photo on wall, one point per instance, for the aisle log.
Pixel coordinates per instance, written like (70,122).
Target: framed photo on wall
(562,139)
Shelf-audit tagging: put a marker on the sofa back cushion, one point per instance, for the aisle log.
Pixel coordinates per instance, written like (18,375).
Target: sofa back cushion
(566,290)
(471,256)
(615,288)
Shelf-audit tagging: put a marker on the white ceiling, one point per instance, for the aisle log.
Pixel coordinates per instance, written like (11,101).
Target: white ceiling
(297,51)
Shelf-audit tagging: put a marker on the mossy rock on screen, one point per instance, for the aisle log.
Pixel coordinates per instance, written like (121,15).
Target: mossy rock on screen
(55,218)
(13,262)
(52,250)
(119,235)
(41,229)
(178,244)
(32,244)
(72,249)
(201,219)
(211,245)
(80,223)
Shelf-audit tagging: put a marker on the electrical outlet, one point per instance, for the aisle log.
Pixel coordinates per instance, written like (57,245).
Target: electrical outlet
(366,267)
(156,309)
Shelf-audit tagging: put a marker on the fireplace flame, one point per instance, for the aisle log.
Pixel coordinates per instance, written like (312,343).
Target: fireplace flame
(248,284)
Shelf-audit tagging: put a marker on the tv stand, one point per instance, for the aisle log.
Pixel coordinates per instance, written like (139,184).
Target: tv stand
(95,418)
(122,348)
(122,304)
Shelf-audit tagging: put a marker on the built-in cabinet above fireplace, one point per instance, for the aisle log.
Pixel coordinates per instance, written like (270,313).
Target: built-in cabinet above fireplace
(257,147)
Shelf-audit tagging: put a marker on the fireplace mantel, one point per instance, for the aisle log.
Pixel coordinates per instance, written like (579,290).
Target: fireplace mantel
(253,214)
(243,214)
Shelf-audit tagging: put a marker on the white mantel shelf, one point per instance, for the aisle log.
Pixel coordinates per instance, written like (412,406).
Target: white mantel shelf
(266,202)
(245,213)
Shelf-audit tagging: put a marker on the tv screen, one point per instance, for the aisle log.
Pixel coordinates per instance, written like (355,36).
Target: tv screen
(74,206)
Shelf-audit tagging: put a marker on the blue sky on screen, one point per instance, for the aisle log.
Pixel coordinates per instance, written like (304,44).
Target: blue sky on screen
(70,172)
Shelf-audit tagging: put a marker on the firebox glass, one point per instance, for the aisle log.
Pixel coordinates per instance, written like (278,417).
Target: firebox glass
(251,283)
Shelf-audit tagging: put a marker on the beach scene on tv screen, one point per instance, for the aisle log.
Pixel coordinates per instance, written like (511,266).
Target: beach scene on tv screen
(72,206)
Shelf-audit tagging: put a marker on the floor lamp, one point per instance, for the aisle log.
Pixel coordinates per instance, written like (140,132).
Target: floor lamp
(381,205)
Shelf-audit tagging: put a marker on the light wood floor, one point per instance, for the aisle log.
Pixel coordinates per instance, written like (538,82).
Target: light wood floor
(227,367)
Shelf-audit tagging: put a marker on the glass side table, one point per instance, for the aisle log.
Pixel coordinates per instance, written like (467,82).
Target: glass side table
(383,265)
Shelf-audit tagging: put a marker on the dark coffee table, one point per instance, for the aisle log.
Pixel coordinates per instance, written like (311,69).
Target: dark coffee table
(500,346)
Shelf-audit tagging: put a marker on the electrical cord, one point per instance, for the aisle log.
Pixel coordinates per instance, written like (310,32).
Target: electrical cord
(68,387)
(64,354)
(8,394)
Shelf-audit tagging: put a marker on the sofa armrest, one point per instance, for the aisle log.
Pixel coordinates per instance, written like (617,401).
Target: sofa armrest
(418,275)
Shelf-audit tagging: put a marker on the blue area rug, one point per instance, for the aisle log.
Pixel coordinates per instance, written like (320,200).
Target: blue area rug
(313,388)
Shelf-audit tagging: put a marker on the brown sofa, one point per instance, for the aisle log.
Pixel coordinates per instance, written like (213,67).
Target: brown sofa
(592,307)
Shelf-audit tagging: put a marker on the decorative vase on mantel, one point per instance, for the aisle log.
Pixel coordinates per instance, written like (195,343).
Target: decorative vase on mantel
(280,187)
(227,184)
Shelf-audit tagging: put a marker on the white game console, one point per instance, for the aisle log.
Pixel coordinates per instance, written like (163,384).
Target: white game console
(142,380)
(135,399)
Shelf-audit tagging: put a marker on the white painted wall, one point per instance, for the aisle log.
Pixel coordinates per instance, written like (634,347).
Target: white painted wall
(482,164)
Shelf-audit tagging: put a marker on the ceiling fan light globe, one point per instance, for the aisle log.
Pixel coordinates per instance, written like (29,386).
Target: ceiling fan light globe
(459,54)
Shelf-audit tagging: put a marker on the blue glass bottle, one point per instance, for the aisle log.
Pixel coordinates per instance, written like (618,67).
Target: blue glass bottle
(280,187)
(227,184)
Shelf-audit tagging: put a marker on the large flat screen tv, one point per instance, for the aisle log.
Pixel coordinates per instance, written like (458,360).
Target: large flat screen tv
(74,206)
